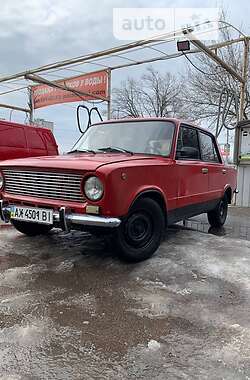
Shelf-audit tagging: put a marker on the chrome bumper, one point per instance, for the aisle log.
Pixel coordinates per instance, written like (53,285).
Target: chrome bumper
(67,220)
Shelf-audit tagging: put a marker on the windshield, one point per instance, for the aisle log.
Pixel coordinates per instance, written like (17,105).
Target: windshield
(146,137)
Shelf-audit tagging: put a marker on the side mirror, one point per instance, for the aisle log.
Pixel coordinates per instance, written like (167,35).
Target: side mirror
(188,152)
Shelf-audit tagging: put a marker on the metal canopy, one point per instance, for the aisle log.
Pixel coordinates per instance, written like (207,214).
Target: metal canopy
(157,48)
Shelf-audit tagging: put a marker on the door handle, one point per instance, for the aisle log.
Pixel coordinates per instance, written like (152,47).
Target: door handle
(224,171)
(204,170)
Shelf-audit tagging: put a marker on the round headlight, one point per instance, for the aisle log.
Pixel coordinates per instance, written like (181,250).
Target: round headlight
(93,188)
(1,181)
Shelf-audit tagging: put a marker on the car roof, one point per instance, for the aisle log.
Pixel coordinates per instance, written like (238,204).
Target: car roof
(14,124)
(174,120)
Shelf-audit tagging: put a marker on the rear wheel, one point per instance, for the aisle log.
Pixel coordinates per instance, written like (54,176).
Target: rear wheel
(140,233)
(218,216)
(31,229)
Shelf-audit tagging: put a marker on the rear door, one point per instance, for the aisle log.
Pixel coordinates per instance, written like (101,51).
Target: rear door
(35,142)
(50,142)
(211,158)
(191,172)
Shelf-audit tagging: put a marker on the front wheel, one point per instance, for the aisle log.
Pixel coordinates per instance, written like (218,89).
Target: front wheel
(31,229)
(141,232)
(218,216)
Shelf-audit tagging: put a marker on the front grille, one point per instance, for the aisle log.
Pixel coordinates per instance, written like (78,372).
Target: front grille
(49,185)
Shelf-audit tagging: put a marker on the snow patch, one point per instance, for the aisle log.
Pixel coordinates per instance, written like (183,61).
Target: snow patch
(154,345)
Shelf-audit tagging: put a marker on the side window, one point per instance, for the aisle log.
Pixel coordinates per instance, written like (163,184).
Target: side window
(34,139)
(12,137)
(208,150)
(188,144)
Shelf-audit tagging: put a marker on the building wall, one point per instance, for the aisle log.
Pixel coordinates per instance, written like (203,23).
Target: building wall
(243,198)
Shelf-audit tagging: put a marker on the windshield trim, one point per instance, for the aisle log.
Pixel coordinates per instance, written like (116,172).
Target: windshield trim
(138,120)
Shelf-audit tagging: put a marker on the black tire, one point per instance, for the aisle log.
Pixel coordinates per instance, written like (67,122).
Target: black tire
(31,229)
(141,232)
(218,216)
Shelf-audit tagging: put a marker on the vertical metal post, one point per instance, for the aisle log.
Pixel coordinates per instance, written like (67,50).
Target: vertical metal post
(109,94)
(244,76)
(242,98)
(227,156)
(31,105)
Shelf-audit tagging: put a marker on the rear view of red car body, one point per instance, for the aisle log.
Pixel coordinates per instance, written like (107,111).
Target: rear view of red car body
(21,141)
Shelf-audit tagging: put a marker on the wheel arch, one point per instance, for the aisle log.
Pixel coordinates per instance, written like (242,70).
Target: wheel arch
(155,195)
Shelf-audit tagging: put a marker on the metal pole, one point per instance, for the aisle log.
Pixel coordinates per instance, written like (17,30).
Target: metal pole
(215,57)
(109,94)
(31,104)
(14,90)
(242,99)
(244,76)
(8,106)
(227,160)
(11,112)
(107,53)
(99,54)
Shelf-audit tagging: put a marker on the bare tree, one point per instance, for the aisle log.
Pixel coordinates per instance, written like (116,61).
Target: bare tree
(154,94)
(207,86)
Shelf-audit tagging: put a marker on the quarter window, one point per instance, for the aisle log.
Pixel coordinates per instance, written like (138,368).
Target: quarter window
(208,150)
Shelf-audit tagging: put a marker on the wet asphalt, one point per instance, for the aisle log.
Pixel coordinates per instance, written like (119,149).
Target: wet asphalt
(69,309)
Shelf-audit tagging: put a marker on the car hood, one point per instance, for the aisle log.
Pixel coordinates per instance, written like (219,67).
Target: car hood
(75,161)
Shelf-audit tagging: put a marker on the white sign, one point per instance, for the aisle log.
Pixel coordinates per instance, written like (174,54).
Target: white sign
(142,23)
(245,144)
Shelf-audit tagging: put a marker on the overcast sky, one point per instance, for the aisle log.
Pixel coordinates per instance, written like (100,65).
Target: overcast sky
(36,32)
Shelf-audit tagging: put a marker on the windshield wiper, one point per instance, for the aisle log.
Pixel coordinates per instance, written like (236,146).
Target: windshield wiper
(115,149)
(82,151)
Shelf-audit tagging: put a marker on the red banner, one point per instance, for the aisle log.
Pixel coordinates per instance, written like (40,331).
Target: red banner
(95,83)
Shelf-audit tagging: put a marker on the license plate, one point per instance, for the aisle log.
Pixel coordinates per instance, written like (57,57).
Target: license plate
(29,214)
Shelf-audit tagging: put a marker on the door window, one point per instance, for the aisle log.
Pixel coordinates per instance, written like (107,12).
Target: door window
(208,149)
(188,144)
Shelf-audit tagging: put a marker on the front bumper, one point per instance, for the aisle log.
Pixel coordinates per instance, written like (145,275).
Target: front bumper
(67,220)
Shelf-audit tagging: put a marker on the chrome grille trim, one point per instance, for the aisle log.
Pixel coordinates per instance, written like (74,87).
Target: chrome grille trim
(48,185)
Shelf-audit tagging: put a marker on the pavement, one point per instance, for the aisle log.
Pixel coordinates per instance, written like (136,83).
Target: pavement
(69,309)
(237,225)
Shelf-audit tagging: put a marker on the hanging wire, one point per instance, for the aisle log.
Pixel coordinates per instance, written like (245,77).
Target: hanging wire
(200,70)
(223,112)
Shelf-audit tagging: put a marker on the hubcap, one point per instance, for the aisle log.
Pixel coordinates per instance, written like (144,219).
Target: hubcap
(138,229)
(222,210)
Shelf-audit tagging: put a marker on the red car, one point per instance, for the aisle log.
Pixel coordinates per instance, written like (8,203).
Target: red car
(132,177)
(21,140)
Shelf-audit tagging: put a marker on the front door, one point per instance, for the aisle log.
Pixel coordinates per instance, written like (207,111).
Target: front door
(192,172)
